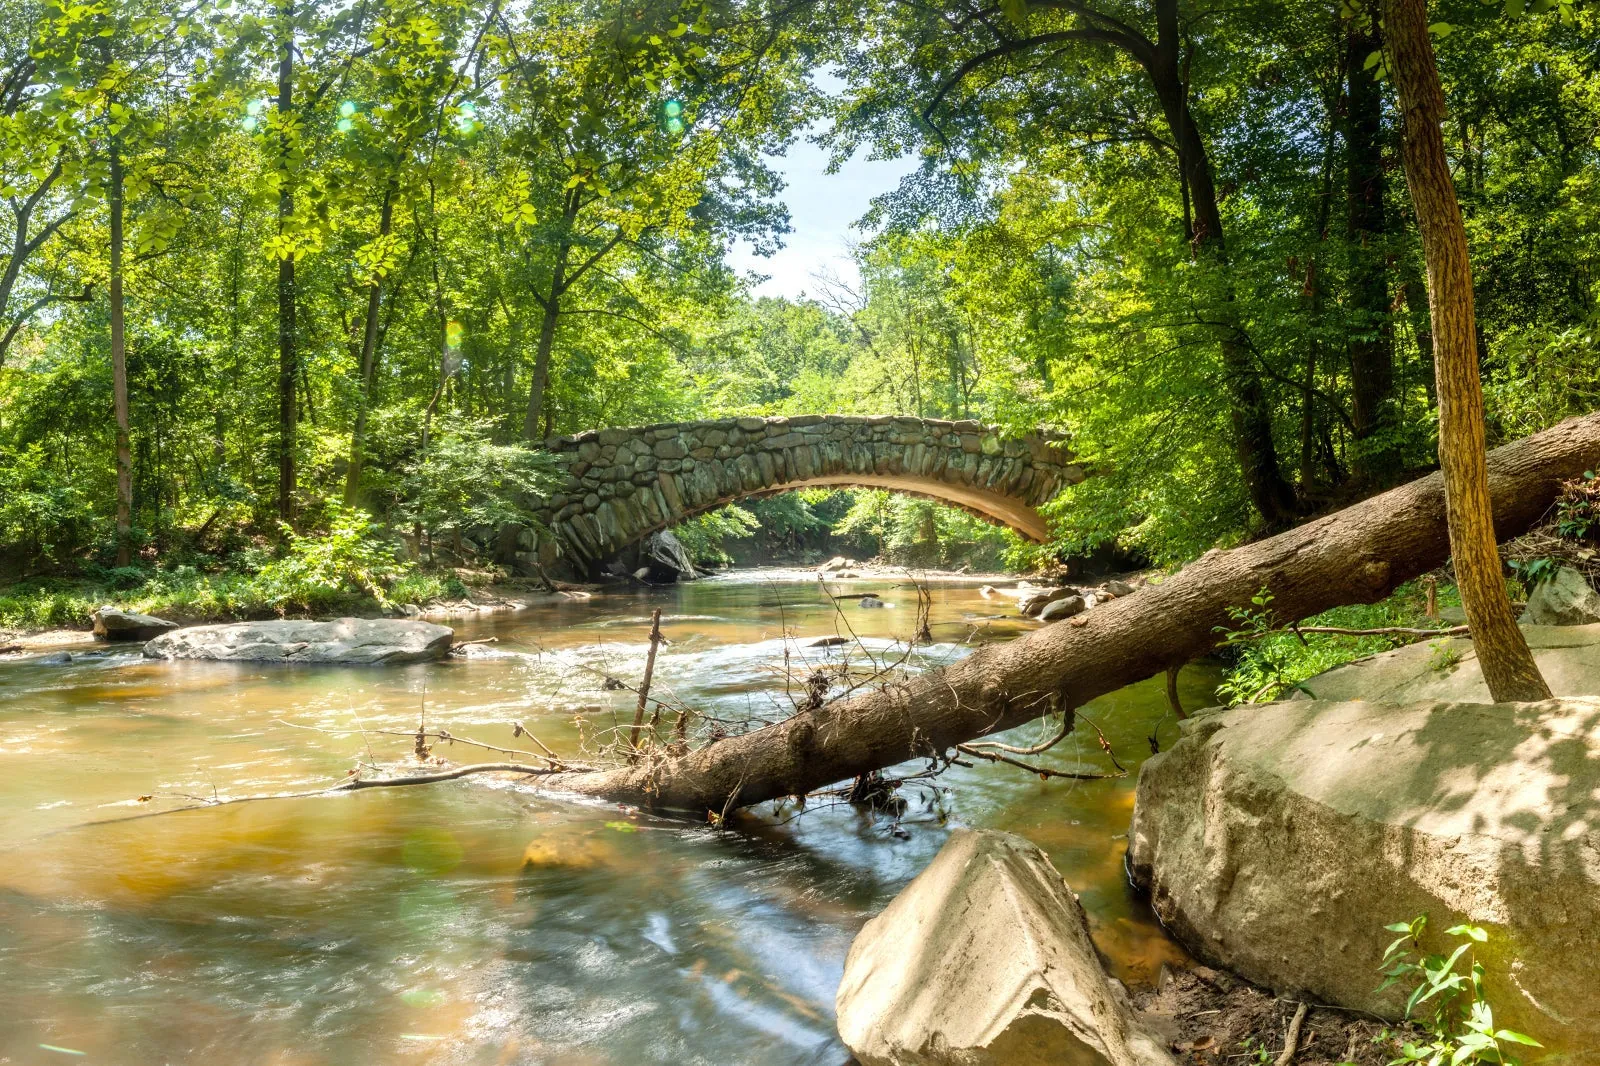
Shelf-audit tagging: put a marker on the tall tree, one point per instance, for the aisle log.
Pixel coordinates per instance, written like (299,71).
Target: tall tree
(1371,341)
(288,362)
(1508,665)
(414,68)
(668,101)
(42,174)
(1033,47)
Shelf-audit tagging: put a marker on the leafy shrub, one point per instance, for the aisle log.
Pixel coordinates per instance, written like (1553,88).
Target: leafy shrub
(465,480)
(1461,1027)
(1535,572)
(320,571)
(1268,661)
(45,609)
(912,531)
(418,587)
(1578,508)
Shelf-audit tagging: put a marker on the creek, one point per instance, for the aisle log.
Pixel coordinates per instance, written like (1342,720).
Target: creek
(477,921)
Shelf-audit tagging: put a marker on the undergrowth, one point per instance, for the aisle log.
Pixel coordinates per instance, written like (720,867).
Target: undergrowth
(348,569)
(1268,662)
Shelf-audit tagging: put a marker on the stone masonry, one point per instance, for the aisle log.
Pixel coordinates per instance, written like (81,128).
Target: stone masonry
(621,485)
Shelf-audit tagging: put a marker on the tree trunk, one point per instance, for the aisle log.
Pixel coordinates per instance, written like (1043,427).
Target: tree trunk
(1359,554)
(288,407)
(369,355)
(1371,345)
(1248,408)
(119,362)
(531,431)
(1508,665)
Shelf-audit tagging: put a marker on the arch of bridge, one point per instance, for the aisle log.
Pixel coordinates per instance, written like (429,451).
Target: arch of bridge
(620,485)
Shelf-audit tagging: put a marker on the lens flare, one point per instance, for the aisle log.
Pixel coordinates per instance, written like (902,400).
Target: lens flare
(452,334)
(255,107)
(674,108)
(250,123)
(674,125)
(469,108)
(347,109)
(346,125)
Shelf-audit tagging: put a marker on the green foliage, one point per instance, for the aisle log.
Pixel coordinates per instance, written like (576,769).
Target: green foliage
(909,531)
(42,511)
(1578,508)
(1535,572)
(499,219)
(1459,1018)
(464,480)
(705,536)
(319,571)
(1269,660)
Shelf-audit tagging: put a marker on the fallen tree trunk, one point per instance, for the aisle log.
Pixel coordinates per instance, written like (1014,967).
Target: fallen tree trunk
(1357,555)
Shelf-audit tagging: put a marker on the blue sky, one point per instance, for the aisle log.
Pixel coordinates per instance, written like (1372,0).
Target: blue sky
(823,208)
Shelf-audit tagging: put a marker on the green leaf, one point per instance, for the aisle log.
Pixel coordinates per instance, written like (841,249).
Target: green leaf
(1015,11)
(1517,1038)
(1473,931)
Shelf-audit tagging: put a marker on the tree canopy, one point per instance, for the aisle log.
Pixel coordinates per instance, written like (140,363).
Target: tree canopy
(377,251)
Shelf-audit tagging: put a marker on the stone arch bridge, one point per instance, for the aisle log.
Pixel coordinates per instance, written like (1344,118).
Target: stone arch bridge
(621,485)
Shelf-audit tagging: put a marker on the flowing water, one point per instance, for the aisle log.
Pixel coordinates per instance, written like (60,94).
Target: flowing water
(477,921)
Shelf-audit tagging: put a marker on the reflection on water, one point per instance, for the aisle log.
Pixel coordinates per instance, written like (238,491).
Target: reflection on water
(475,922)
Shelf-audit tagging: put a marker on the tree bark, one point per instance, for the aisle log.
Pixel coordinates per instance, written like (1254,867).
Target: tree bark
(119,361)
(1359,554)
(369,356)
(1508,665)
(1371,344)
(288,406)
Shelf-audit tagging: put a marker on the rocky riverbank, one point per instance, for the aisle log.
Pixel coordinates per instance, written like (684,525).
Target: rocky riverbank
(1276,842)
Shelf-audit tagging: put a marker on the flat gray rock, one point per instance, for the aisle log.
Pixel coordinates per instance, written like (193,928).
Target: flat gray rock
(348,641)
(113,623)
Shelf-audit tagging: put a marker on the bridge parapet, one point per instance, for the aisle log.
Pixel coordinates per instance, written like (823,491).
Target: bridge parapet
(621,485)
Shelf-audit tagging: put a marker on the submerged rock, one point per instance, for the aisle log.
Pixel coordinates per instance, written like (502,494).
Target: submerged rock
(870,601)
(985,958)
(113,623)
(350,641)
(1277,841)
(1567,599)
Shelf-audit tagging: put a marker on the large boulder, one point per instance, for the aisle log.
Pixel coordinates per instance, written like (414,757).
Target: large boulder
(985,958)
(1567,599)
(113,623)
(350,641)
(1277,840)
